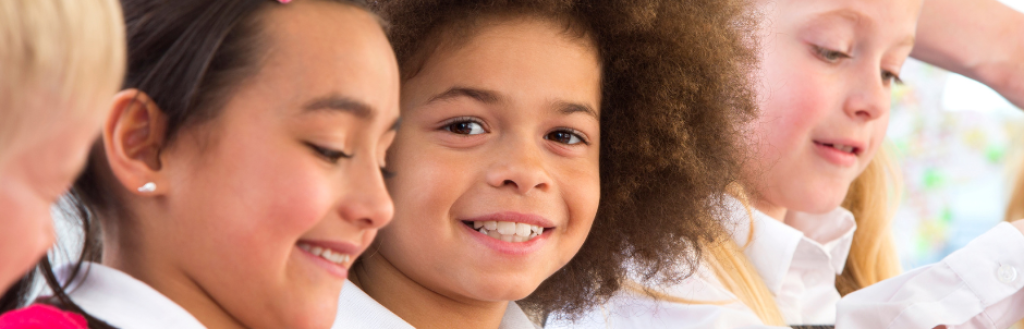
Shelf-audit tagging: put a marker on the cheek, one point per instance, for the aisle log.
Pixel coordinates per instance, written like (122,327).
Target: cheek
(256,199)
(793,104)
(426,183)
(580,183)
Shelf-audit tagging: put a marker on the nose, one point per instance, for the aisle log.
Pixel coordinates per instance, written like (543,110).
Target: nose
(366,202)
(868,99)
(520,166)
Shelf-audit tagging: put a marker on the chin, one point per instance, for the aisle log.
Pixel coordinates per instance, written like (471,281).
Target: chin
(315,317)
(822,200)
(502,290)
(305,307)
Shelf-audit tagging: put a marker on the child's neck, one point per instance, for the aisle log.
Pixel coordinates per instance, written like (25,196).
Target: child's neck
(170,282)
(418,305)
(770,209)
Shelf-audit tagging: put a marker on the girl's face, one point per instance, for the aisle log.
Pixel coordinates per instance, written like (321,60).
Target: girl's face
(826,73)
(268,205)
(496,166)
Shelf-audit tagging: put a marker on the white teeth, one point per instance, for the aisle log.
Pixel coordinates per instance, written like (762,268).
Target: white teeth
(508,231)
(523,229)
(326,253)
(507,228)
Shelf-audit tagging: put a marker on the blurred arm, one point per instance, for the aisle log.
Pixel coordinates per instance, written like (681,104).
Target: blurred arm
(980,39)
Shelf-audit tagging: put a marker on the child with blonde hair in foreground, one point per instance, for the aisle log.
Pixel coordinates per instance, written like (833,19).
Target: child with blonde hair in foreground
(60,62)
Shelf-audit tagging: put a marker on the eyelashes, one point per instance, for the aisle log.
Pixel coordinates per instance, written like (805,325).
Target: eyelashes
(464,126)
(333,156)
(330,155)
(834,56)
(567,136)
(469,126)
(829,55)
(889,78)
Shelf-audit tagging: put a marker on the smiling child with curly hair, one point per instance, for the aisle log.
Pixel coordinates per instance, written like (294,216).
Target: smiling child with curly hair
(548,148)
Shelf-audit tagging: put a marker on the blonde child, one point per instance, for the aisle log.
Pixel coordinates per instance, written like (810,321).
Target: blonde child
(60,61)
(813,225)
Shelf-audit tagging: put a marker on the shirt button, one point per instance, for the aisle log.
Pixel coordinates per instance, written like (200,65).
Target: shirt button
(1006,274)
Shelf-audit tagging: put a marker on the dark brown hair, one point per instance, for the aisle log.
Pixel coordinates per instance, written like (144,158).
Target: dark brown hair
(674,95)
(187,55)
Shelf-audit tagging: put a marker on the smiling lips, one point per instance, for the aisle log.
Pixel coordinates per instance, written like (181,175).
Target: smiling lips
(333,256)
(842,148)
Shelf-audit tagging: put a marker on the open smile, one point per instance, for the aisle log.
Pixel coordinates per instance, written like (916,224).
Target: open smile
(334,257)
(507,231)
(510,233)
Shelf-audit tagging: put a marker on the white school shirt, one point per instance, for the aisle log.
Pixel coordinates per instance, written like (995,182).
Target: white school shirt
(124,302)
(356,309)
(978,286)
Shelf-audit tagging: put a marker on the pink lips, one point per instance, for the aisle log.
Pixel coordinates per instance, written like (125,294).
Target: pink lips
(826,149)
(512,249)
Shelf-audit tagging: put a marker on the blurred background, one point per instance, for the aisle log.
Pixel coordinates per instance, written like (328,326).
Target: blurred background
(960,146)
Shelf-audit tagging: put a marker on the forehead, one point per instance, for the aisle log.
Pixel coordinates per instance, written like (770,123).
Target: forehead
(521,57)
(317,48)
(896,18)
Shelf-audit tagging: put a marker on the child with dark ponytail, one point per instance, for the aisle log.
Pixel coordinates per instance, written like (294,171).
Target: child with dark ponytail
(239,172)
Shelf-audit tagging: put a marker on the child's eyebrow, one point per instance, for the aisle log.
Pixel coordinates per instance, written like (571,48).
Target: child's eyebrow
(334,102)
(483,96)
(568,108)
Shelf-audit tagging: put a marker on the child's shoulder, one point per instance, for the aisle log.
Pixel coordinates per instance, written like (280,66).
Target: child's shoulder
(42,316)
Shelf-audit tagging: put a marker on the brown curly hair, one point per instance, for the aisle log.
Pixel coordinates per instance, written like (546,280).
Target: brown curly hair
(675,94)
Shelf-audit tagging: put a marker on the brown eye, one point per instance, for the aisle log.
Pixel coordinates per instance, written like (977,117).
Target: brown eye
(564,137)
(465,128)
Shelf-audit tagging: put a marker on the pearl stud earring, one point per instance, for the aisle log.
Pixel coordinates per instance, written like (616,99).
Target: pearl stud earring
(148,187)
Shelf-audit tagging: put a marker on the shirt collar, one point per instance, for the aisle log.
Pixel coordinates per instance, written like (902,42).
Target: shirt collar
(122,301)
(356,309)
(777,247)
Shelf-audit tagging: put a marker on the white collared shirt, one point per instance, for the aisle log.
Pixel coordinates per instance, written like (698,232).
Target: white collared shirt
(124,302)
(978,286)
(356,309)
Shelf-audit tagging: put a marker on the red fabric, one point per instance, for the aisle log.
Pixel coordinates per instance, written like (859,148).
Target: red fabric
(42,317)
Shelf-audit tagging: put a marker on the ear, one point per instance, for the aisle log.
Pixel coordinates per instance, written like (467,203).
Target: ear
(133,137)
